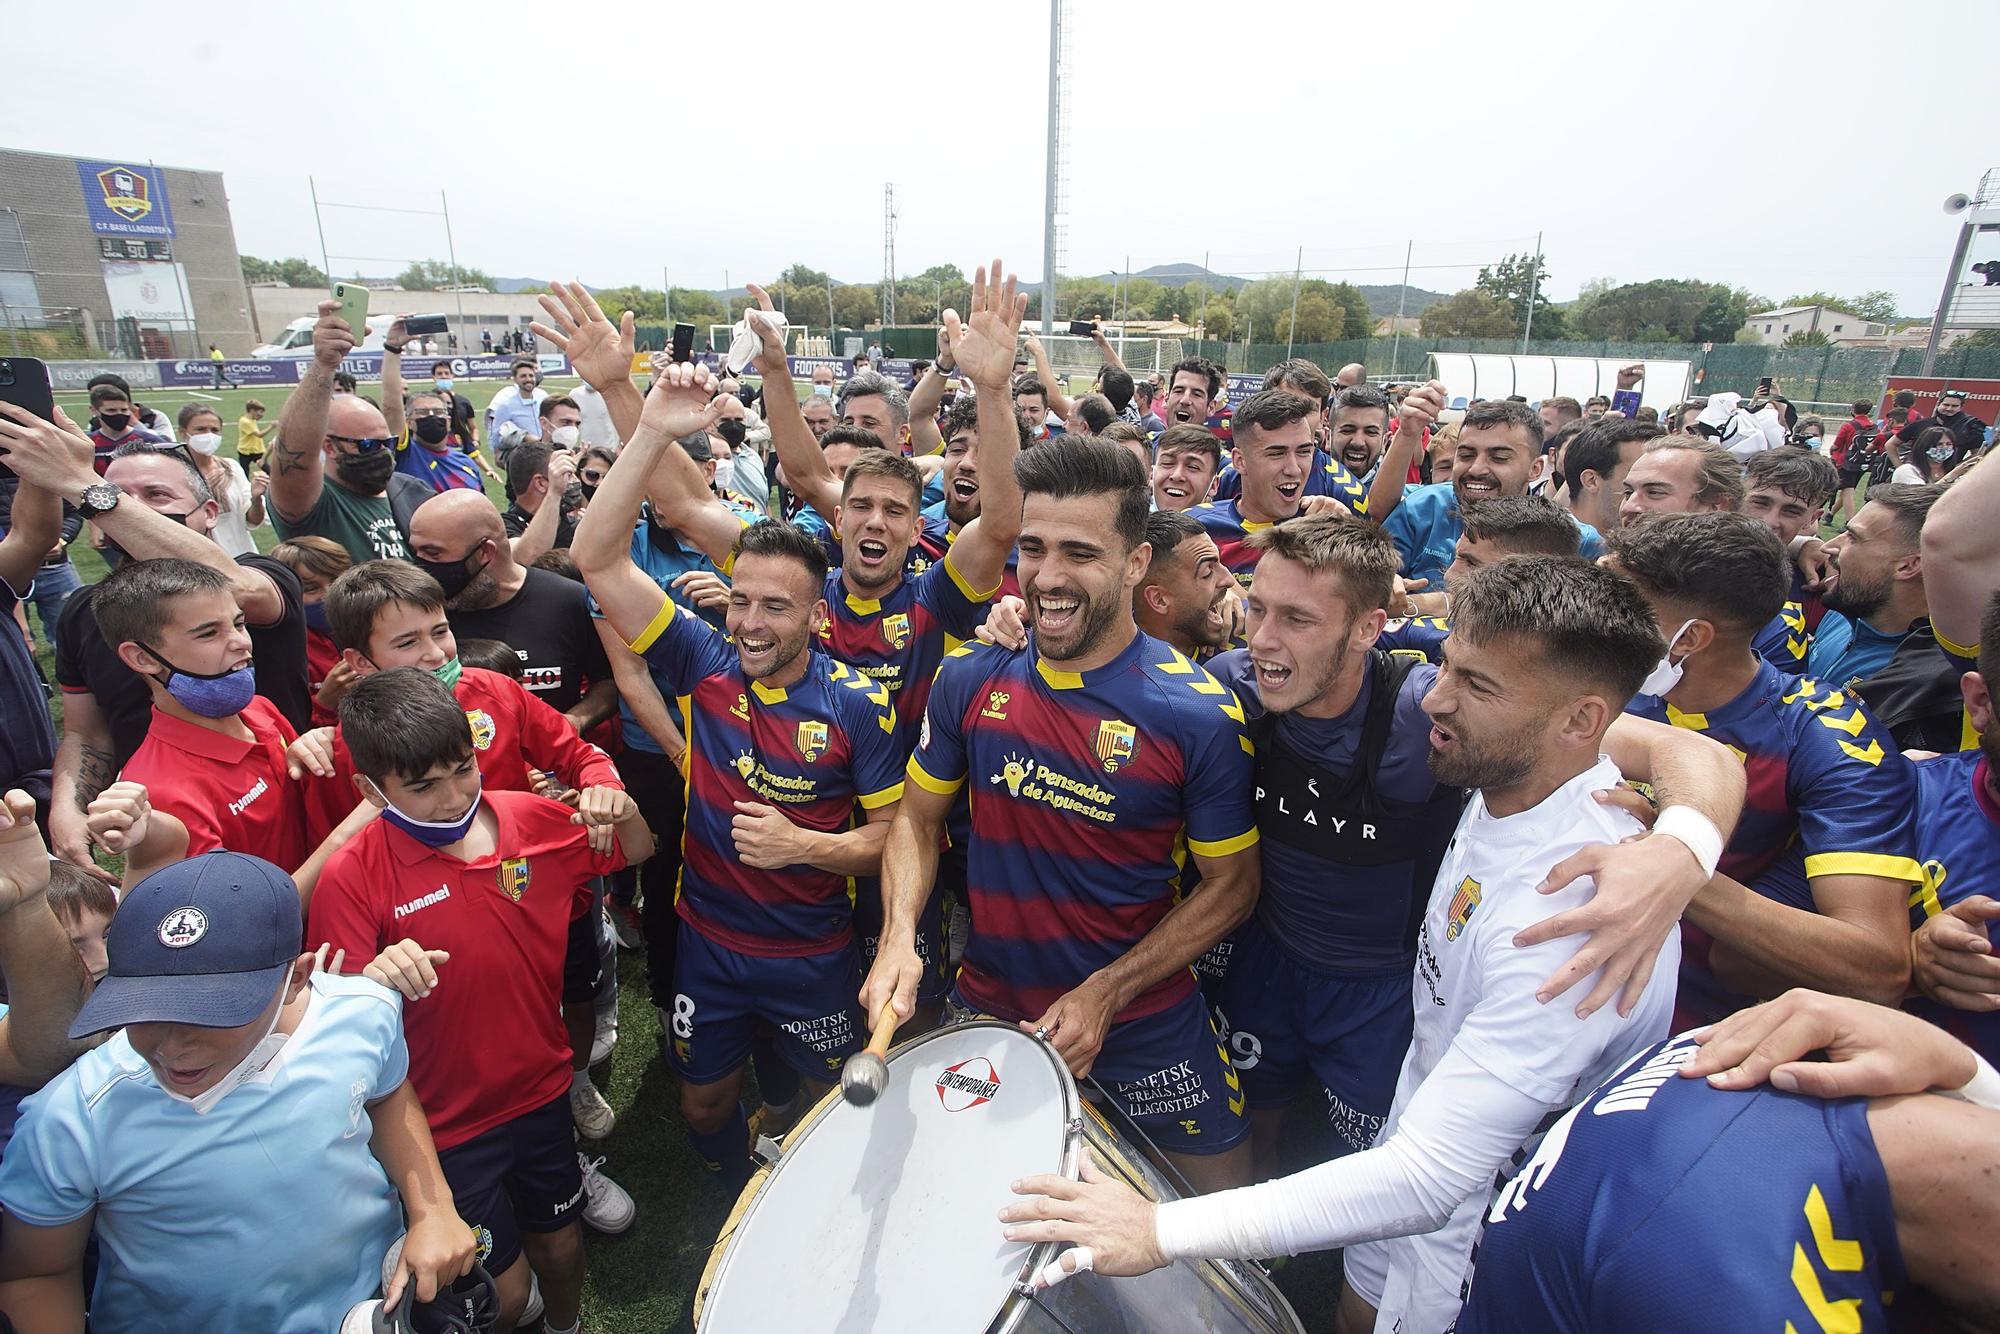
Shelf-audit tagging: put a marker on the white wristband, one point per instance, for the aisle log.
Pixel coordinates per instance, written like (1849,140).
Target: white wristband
(1983,1089)
(1694,830)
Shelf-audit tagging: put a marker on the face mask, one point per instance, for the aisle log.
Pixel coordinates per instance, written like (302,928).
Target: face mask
(316,617)
(444,385)
(216,695)
(732,430)
(588,491)
(432,430)
(449,673)
(366,474)
(431,833)
(565,437)
(452,575)
(1940,452)
(1663,678)
(205,442)
(822,391)
(255,1060)
(115,422)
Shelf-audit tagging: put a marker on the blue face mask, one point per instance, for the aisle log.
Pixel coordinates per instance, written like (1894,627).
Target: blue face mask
(431,833)
(444,385)
(216,695)
(316,617)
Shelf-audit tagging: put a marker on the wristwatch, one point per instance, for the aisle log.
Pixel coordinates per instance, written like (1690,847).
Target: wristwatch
(98,498)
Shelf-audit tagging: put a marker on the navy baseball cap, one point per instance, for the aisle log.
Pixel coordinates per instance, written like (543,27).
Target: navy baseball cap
(204,941)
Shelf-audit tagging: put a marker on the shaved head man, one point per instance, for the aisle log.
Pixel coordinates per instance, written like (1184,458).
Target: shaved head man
(1351,374)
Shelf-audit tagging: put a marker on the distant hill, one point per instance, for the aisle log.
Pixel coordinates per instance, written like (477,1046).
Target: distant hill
(1381,298)
(511,285)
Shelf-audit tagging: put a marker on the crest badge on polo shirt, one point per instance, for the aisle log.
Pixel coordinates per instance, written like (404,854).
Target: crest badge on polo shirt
(811,740)
(896,630)
(483,729)
(1117,743)
(183,927)
(1463,904)
(514,875)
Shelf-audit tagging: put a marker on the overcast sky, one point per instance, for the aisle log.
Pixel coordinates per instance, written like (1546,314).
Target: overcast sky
(1779,147)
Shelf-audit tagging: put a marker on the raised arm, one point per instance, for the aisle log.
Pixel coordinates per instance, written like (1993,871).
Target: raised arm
(1961,557)
(682,402)
(298,456)
(600,351)
(36,524)
(926,398)
(1061,405)
(54,459)
(1104,348)
(46,982)
(392,378)
(983,347)
(798,453)
(1419,411)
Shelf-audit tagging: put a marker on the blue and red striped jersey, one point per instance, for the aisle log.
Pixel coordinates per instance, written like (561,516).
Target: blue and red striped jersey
(1783,643)
(898,640)
(1088,790)
(1828,794)
(1415,634)
(1328,476)
(1223,520)
(814,750)
(1956,823)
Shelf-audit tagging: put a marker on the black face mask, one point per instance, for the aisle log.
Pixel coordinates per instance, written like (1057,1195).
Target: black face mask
(115,421)
(732,429)
(115,554)
(452,575)
(366,474)
(432,430)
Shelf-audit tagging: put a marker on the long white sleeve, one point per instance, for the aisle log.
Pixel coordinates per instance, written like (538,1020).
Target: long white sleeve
(1461,1125)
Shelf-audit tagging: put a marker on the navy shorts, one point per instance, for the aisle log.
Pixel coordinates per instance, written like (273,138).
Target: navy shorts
(520,1176)
(812,1000)
(582,964)
(1168,1072)
(1286,1023)
(930,931)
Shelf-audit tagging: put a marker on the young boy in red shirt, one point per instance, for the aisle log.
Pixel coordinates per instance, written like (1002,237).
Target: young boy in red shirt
(494,879)
(318,561)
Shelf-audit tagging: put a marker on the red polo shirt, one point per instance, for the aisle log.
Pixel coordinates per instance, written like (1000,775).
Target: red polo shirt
(511,732)
(488,1045)
(321,658)
(229,793)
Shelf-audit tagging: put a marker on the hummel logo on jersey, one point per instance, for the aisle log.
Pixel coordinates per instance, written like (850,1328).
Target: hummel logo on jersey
(237,806)
(438,895)
(996,706)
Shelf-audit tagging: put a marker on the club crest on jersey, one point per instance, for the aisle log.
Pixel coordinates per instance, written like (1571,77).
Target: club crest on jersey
(514,877)
(483,729)
(1463,905)
(1117,744)
(811,740)
(896,630)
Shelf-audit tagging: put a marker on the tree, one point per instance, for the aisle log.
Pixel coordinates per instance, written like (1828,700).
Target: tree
(1217,318)
(1806,338)
(290,272)
(692,306)
(1469,314)
(1686,310)
(856,305)
(798,275)
(430,275)
(1357,317)
(648,303)
(1877,305)
(1984,340)
(1514,281)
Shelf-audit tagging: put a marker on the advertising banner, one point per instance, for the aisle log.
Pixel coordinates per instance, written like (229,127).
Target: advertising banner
(1982,397)
(199,372)
(125,200)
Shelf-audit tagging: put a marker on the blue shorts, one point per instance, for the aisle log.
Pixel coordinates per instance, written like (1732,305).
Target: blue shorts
(930,929)
(520,1176)
(1285,1022)
(1169,1073)
(812,1000)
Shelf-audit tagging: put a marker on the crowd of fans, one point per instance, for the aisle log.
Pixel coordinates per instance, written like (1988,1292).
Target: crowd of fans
(1436,767)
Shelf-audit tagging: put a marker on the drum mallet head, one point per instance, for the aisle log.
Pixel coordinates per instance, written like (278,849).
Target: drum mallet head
(865,1075)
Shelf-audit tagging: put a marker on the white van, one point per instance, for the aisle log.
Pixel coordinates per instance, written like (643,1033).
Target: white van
(295,343)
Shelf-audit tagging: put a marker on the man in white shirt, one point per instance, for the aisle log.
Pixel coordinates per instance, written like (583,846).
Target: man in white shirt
(1544,653)
(514,415)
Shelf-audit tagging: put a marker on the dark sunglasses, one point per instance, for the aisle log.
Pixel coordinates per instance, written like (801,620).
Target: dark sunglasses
(364,445)
(592,477)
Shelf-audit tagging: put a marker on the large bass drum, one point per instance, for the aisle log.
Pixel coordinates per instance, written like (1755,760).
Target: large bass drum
(885,1219)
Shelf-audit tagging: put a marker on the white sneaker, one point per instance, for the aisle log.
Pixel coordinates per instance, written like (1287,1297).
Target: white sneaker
(594,1117)
(531,1314)
(606,1036)
(607,1206)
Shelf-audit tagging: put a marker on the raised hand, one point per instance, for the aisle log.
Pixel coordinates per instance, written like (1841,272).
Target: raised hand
(684,401)
(982,347)
(120,818)
(332,339)
(52,455)
(1421,406)
(601,352)
(770,360)
(24,861)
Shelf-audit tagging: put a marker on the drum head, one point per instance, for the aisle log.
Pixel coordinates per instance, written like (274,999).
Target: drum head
(887,1217)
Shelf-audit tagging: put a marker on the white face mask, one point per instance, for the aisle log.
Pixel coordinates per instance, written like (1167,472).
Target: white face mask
(1663,678)
(254,1061)
(565,437)
(205,442)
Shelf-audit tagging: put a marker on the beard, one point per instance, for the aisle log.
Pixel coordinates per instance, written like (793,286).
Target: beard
(1483,763)
(1088,626)
(1856,601)
(1199,626)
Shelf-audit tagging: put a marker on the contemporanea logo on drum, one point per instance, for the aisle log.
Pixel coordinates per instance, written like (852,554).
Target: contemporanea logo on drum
(971,1083)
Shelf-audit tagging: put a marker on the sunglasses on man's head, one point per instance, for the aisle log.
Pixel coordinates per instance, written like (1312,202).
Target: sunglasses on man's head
(364,444)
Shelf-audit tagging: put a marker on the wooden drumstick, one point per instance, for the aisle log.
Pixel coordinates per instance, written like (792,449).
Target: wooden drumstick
(865,1074)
